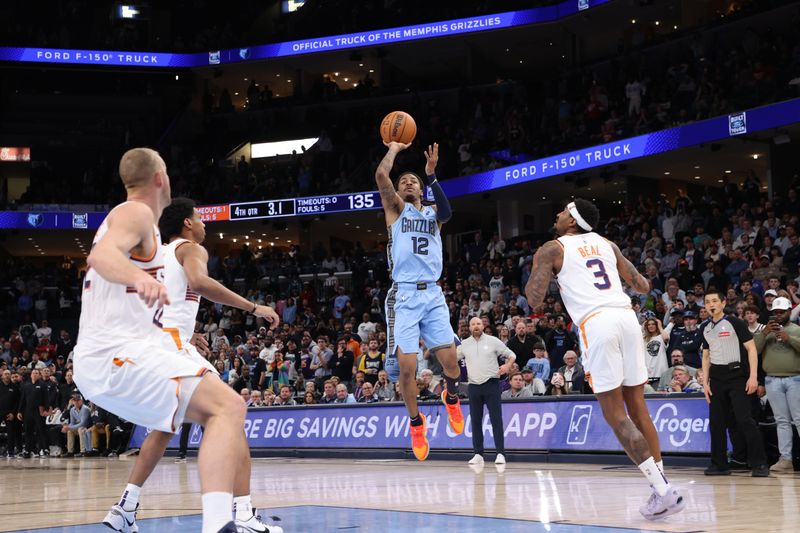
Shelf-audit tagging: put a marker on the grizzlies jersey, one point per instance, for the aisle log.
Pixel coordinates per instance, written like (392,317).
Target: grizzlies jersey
(415,246)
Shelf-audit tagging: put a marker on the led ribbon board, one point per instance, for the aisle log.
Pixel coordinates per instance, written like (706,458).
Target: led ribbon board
(714,129)
(381,37)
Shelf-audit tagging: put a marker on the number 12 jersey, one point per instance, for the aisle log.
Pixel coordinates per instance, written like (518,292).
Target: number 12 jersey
(415,246)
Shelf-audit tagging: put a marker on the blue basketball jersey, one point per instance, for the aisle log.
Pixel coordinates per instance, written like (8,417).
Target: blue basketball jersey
(415,246)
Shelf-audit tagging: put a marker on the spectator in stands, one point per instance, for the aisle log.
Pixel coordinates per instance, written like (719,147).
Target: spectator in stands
(383,387)
(656,361)
(246,397)
(751,317)
(321,360)
(517,388)
(366,327)
(689,340)
(534,384)
(522,343)
(256,399)
(778,344)
(342,396)
(559,341)
(682,381)
(368,393)
(676,359)
(570,378)
(329,393)
(540,363)
(284,397)
(371,362)
(423,394)
(80,421)
(309,398)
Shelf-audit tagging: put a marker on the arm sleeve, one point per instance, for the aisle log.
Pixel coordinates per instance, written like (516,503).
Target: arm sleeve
(443,209)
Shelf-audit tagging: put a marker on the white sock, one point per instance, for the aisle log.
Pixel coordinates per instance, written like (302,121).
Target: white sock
(660,465)
(242,508)
(216,511)
(130,497)
(655,476)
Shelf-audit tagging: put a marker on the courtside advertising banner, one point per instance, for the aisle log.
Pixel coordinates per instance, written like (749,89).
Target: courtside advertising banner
(573,425)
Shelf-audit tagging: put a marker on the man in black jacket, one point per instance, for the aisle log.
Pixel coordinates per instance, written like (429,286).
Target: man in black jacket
(522,343)
(9,401)
(31,412)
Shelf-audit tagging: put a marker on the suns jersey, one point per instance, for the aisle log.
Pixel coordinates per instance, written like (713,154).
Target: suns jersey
(415,246)
(181,313)
(113,314)
(589,279)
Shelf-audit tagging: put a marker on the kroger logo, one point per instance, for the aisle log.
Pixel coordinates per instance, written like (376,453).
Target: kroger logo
(679,429)
(737,124)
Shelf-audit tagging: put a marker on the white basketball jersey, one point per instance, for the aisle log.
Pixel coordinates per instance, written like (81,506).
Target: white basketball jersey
(113,314)
(589,279)
(181,314)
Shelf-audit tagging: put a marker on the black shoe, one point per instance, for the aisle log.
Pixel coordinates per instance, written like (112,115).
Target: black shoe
(230,527)
(92,453)
(68,455)
(738,466)
(716,471)
(761,471)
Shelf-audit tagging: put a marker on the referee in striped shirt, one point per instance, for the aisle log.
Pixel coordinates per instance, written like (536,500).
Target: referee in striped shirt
(730,362)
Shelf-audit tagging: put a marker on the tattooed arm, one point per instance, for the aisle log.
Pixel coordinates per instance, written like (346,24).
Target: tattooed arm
(392,203)
(546,263)
(629,274)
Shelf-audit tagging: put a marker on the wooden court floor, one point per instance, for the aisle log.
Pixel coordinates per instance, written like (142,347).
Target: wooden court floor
(38,493)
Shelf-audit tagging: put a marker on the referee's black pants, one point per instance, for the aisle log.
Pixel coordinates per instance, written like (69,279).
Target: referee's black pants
(487,394)
(728,396)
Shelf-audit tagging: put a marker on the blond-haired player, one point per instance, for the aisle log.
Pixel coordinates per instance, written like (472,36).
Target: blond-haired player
(186,278)
(120,362)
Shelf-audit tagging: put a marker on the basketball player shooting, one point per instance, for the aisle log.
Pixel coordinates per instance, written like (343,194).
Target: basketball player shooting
(588,269)
(186,278)
(415,304)
(120,362)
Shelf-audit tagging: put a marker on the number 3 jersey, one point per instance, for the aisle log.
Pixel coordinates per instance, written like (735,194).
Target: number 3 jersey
(415,246)
(113,314)
(589,279)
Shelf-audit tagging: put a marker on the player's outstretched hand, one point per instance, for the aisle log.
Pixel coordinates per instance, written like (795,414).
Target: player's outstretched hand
(200,342)
(395,146)
(431,158)
(152,292)
(268,314)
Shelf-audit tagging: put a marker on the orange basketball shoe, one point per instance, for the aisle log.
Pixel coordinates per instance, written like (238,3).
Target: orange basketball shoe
(419,442)
(454,415)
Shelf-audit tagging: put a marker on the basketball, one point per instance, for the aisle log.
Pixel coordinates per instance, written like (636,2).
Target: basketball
(398,126)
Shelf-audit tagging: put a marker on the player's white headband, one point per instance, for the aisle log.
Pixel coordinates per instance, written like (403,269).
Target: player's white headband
(577,216)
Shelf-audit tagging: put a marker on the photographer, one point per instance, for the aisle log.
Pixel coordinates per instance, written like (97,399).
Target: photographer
(779,345)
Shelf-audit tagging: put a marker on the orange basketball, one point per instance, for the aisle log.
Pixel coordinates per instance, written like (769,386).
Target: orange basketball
(398,126)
